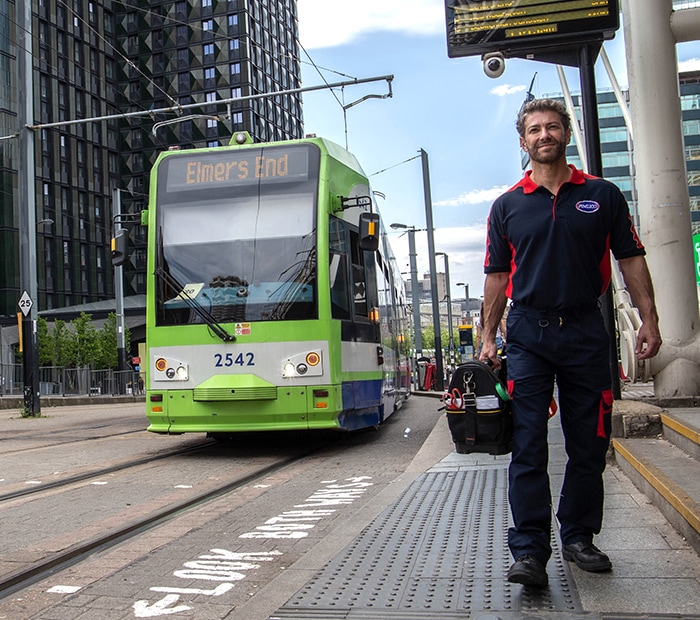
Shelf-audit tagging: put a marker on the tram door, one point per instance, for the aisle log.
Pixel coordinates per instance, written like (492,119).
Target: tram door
(353,283)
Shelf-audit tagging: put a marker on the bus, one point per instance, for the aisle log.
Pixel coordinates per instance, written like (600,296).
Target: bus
(274,301)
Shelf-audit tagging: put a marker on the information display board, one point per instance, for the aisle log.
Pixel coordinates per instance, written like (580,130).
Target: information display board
(476,27)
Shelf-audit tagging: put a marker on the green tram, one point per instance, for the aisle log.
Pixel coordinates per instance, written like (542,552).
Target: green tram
(274,301)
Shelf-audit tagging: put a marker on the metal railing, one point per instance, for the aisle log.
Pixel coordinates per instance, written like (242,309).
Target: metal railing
(59,381)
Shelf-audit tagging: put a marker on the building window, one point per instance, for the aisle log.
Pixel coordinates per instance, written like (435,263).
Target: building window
(208,24)
(692,152)
(208,49)
(235,68)
(691,128)
(206,3)
(209,73)
(233,20)
(234,44)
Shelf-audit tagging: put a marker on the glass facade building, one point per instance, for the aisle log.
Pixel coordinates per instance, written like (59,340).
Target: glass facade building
(98,58)
(617,149)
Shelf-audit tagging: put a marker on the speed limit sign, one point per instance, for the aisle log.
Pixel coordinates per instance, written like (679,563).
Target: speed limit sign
(25,303)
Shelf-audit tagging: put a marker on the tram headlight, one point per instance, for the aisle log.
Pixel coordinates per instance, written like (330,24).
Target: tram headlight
(165,368)
(305,364)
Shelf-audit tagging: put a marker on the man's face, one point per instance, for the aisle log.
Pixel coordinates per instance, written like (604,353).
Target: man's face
(545,139)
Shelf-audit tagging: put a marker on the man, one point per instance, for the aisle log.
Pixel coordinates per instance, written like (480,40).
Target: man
(548,250)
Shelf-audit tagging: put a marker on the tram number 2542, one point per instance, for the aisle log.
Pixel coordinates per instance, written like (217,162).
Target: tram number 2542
(227,360)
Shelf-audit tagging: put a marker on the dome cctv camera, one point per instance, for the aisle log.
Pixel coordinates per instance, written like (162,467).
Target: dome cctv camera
(494,64)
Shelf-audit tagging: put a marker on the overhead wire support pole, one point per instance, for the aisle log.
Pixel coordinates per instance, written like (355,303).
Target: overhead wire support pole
(119,284)
(439,368)
(26,205)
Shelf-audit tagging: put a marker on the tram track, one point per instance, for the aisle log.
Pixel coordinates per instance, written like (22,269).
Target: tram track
(97,473)
(81,551)
(67,436)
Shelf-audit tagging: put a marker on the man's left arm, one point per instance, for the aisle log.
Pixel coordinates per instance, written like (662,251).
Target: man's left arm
(638,281)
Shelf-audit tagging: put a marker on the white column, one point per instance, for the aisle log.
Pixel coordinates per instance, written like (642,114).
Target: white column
(663,190)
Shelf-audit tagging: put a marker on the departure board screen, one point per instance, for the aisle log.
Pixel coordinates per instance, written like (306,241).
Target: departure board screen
(480,26)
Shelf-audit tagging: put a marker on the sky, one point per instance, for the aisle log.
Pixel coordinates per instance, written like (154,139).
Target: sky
(462,119)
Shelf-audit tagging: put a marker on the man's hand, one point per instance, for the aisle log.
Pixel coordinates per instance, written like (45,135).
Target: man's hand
(489,354)
(648,341)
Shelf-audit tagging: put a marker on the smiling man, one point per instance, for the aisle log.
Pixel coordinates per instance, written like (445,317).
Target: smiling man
(548,251)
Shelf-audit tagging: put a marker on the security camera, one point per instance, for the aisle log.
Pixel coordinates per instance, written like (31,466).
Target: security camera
(494,64)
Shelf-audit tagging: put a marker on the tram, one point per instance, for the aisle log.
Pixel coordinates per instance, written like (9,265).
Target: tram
(274,301)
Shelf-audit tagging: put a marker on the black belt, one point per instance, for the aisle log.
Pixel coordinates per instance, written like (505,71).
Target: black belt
(560,315)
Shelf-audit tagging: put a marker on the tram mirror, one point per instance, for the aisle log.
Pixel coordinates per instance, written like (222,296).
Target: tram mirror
(369,231)
(119,247)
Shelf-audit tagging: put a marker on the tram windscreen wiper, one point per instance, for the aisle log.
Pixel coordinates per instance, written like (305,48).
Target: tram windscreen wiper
(202,312)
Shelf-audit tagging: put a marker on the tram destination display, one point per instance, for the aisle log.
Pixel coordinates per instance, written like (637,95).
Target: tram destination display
(513,27)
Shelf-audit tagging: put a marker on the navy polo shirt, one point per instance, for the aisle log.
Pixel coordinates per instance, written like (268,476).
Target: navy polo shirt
(556,249)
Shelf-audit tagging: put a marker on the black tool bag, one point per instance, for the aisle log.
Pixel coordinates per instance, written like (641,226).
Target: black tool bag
(478,409)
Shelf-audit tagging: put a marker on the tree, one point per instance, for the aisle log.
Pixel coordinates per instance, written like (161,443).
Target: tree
(80,343)
(84,347)
(45,342)
(61,337)
(428,333)
(109,355)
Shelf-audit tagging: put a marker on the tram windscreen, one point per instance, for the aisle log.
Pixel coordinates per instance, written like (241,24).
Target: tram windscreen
(236,233)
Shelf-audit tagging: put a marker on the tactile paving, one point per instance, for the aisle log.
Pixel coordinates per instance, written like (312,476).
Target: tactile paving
(439,551)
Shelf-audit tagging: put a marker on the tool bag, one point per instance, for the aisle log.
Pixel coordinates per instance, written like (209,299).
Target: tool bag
(478,412)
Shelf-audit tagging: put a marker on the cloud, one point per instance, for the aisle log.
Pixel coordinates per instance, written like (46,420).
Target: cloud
(474,197)
(325,23)
(465,247)
(691,64)
(507,89)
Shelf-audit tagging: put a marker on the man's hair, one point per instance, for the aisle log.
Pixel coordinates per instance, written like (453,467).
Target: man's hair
(542,105)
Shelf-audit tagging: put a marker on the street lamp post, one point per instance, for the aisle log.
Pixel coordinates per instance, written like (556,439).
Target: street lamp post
(448,297)
(466,295)
(415,295)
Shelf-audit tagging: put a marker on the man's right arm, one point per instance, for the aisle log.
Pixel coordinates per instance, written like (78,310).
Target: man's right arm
(494,304)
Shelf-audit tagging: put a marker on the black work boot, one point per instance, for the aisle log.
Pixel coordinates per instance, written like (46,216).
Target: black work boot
(529,571)
(587,557)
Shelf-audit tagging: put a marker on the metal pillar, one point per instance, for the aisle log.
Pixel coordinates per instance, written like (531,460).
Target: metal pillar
(665,224)
(27,209)
(448,296)
(440,372)
(587,56)
(119,284)
(415,294)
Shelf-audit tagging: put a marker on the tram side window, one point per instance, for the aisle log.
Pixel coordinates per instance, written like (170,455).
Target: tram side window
(359,288)
(339,280)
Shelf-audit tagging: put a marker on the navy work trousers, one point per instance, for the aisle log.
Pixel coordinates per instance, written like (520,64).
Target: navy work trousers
(571,348)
